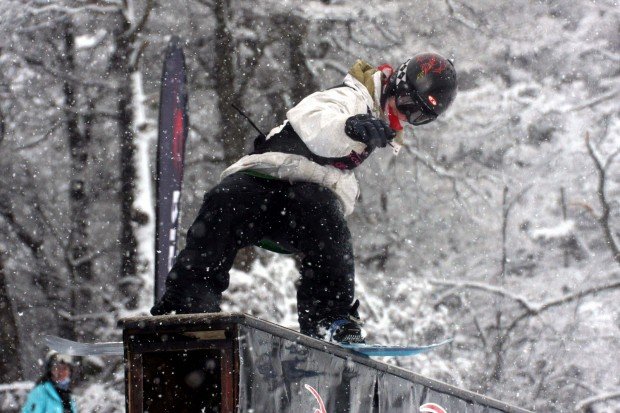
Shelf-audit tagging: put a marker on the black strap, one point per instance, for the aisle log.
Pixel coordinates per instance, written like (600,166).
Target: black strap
(288,141)
(247,118)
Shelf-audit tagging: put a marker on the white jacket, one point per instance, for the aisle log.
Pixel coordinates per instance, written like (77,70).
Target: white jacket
(319,120)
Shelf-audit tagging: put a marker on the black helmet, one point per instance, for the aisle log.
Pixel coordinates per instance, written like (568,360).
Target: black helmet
(424,87)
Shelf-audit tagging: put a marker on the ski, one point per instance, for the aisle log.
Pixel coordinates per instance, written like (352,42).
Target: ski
(377,350)
(75,348)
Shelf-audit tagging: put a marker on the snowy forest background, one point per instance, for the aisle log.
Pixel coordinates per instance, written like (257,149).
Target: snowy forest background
(498,225)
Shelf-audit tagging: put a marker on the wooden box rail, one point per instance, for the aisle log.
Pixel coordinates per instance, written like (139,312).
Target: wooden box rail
(229,362)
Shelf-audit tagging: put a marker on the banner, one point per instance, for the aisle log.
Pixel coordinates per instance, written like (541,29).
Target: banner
(173,127)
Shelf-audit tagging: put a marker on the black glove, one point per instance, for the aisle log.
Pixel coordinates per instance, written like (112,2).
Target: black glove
(371,131)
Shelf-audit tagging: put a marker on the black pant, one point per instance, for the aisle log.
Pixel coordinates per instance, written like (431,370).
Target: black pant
(243,210)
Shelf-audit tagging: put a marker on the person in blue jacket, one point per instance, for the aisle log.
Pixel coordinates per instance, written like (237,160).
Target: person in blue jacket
(52,393)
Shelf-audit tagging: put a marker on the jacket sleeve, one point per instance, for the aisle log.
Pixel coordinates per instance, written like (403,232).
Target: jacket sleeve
(319,120)
(35,403)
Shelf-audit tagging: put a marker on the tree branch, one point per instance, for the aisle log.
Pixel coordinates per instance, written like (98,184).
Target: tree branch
(530,308)
(604,218)
(150,4)
(44,67)
(595,101)
(523,302)
(29,240)
(585,404)
(41,139)
(568,298)
(507,206)
(538,309)
(460,18)
(75,263)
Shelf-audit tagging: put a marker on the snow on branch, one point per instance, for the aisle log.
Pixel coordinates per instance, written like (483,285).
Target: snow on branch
(18,385)
(459,17)
(92,6)
(334,13)
(562,230)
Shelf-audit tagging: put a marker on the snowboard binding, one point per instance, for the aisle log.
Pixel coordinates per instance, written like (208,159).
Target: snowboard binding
(344,328)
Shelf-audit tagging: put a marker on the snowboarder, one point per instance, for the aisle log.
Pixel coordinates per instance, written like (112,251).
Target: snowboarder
(52,394)
(295,189)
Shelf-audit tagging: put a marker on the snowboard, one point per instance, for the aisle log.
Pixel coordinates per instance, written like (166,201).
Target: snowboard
(115,348)
(75,348)
(378,350)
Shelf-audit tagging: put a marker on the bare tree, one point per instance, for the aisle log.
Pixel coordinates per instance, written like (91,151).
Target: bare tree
(304,80)
(124,64)
(79,250)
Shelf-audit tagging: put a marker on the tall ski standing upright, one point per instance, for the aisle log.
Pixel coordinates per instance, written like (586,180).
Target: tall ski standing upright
(173,127)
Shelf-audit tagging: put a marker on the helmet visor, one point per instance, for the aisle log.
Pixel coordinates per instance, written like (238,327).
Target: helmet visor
(414,109)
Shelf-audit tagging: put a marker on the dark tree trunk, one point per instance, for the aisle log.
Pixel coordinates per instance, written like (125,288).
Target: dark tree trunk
(130,284)
(304,82)
(232,137)
(10,365)
(80,265)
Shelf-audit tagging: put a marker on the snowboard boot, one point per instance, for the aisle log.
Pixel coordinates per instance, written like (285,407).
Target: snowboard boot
(172,304)
(343,328)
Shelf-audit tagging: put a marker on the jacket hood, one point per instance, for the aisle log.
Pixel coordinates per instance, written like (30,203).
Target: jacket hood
(367,75)
(363,72)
